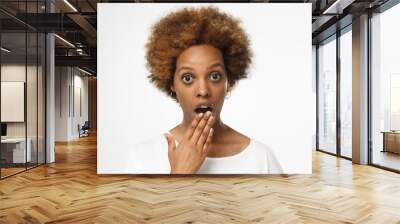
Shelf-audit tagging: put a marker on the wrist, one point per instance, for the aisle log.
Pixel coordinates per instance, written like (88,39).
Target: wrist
(182,171)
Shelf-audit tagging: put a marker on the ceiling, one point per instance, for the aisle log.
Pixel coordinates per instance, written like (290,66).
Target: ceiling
(76,22)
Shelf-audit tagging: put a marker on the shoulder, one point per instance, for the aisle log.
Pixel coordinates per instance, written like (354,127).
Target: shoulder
(260,147)
(264,151)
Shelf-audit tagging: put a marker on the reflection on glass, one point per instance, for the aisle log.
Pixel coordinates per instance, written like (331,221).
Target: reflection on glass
(41,98)
(327,96)
(346,94)
(14,153)
(31,101)
(22,91)
(395,102)
(386,89)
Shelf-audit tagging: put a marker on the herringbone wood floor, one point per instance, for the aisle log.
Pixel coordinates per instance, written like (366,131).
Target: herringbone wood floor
(70,191)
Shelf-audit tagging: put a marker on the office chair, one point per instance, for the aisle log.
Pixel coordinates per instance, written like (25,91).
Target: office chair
(84,130)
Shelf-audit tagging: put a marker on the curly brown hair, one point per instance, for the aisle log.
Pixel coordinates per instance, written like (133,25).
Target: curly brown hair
(194,26)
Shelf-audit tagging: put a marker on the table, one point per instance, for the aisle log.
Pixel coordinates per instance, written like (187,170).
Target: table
(391,141)
(15,148)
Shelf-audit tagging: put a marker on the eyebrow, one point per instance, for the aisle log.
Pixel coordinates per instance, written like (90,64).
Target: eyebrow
(184,68)
(217,64)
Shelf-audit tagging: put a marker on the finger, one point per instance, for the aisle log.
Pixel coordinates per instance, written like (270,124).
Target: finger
(193,125)
(206,147)
(199,129)
(204,134)
(212,122)
(171,143)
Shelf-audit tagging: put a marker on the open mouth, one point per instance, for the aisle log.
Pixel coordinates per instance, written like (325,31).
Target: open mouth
(202,109)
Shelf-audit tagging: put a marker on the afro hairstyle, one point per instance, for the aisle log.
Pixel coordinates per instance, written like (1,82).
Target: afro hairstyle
(187,27)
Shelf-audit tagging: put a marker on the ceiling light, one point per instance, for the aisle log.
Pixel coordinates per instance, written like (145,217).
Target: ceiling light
(338,6)
(5,50)
(84,71)
(70,5)
(64,40)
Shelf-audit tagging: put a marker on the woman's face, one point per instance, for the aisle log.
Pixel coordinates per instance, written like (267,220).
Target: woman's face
(200,81)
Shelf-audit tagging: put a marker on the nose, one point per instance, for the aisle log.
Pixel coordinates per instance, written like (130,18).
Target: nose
(203,89)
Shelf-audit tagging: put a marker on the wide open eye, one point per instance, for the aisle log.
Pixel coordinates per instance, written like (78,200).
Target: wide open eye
(215,76)
(187,78)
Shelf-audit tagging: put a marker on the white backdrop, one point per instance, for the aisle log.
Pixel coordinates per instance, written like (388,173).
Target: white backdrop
(274,105)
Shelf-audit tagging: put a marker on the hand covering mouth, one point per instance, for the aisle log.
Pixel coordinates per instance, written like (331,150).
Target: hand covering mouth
(203,109)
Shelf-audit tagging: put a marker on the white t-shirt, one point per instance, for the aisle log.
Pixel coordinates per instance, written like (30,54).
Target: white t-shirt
(151,157)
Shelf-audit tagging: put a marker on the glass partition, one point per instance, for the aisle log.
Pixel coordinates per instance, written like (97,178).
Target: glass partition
(22,78)
(13,109)
(327,96)
(33,64)
(41,87)
(31,100)
(346,93)
(385,89)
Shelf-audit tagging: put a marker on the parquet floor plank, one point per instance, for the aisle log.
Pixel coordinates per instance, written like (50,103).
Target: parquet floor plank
(70,191)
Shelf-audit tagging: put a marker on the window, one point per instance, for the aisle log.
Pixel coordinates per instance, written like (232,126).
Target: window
(327,96)
(346,93)
(385,88)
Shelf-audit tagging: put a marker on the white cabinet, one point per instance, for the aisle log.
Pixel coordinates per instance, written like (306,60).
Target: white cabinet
(17,146)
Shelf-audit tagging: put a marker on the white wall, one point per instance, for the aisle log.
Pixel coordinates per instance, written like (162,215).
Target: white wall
(80,83)
(69,82)
(62,81)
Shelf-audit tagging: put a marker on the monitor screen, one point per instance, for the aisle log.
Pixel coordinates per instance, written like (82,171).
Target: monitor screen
(3,129)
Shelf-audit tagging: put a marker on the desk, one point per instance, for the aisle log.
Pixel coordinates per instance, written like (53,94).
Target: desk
(15,148)
(391,141)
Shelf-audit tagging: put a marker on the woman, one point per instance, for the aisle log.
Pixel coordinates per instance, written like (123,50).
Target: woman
(196,56)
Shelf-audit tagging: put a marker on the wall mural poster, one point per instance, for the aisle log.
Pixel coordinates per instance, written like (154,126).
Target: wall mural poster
(204,89)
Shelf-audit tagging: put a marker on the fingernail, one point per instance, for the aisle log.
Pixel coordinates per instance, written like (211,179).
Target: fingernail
(201,114)
(208,113)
